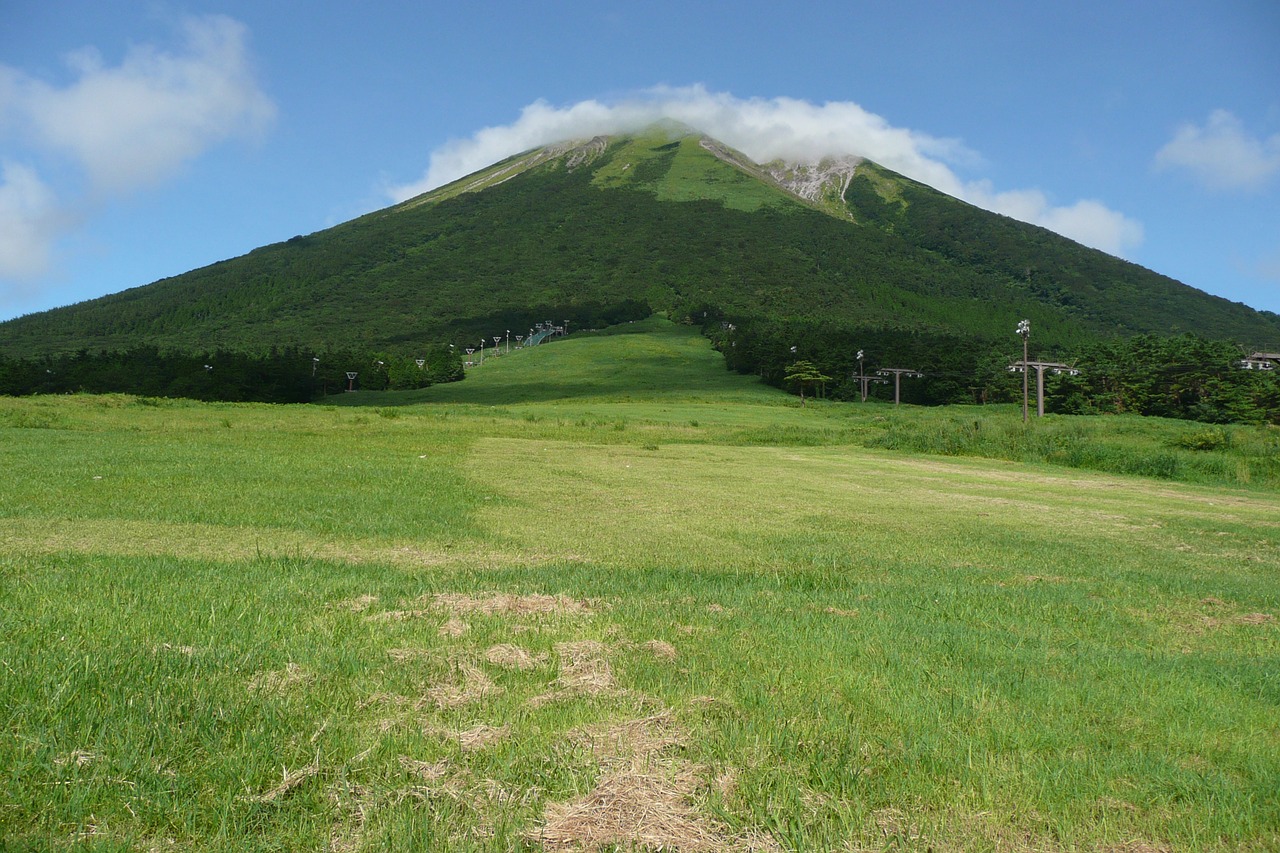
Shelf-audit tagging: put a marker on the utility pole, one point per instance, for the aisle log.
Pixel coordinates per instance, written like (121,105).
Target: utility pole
(864,381)
(1040,367)
(898,373)
(1024,332)
(867,382)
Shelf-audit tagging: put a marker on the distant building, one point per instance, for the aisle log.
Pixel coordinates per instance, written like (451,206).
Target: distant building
(1262,361)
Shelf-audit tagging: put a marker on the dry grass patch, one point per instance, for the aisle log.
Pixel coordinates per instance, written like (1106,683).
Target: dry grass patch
(643,799)
(584,671)
(280,680)
(189,651)
(661,649)
(481,797)
(641,737)
(478,737)
(1202,617)
(78,758)
(505,604)
(290,780)
(494,604)
(403,655)
(894,823)
(354,804)
(453,628)
(630,808)
(514,657)
(468,685)
(129,537)
(399,615)
(359,604)
(428,771)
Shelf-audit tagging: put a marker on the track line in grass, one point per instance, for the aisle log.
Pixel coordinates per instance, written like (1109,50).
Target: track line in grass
(134,538)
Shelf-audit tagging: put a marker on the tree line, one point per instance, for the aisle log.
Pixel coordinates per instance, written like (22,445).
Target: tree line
(280,375)
(1183,376)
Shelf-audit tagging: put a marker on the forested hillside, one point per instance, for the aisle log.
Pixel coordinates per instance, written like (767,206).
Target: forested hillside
(645,223)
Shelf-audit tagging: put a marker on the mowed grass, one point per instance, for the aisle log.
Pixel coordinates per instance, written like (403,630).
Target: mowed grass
(665,609)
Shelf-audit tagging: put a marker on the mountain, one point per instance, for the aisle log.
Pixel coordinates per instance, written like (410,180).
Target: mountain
(607,229)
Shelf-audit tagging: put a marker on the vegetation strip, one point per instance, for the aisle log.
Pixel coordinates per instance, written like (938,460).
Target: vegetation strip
(671,593)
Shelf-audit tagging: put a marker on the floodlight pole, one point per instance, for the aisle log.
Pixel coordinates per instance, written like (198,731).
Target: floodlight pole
(862,379)
(1024,331)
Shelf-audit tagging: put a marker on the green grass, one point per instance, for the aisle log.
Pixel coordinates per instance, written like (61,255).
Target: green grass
(221,628)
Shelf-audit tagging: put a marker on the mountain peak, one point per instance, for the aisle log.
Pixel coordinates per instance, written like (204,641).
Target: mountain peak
(818,181)
(821,183)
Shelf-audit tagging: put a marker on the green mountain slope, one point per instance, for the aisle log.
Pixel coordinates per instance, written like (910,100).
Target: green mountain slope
(589,231)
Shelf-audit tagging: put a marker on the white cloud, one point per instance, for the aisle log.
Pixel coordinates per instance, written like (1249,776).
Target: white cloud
(777,128)
(1087,221)
(29,223)
(136,124)
(123,127)
(1222,155)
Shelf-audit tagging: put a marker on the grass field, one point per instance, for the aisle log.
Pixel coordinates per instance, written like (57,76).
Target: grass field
(605,595)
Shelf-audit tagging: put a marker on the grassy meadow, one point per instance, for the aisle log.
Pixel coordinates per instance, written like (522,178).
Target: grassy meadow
(605,595)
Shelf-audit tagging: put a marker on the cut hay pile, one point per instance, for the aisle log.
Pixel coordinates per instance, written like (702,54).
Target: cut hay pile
(644,798)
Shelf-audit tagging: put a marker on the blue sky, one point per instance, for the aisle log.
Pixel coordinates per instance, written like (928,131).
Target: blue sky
(141,140)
